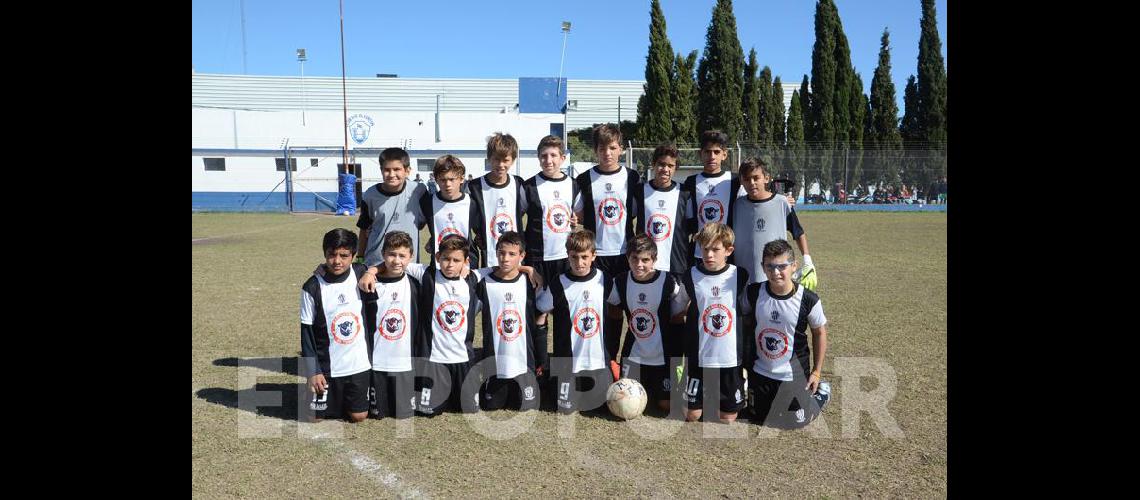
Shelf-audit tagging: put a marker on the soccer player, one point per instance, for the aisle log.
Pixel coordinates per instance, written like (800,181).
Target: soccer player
(762,216)
(393,205)
(498,196)
(663,205)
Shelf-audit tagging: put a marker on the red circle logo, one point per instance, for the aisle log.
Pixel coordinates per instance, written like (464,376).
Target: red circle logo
(642,323)
(501,223)
(345,327)
(558,218)
(450,316)
(509,324)
(711,210)
(445,232)
(611,211)
(659,227)
(587,322)
(717,320)
(393,324)
(772,342)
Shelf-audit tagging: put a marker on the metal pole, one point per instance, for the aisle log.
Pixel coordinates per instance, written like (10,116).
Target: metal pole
(242,4)
(343,86)
(619,112)
(437,118)
(304,100)
(288,178)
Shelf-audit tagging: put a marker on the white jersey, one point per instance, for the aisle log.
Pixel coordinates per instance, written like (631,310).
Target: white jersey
(502,210)
(712,316)
(660,221)
(604,200)
(397,308)
(449,218)
(548,216)
(508,317)
(782,322)
(712,199)
(648,307)
(341,310)
(452,317)
(578,303)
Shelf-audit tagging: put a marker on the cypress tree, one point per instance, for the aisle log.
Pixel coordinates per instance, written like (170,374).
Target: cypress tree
(931,78)
(883,136)
(764,128)
(720,74)
(684,90)
(751,104)
(654,113)
(795,145)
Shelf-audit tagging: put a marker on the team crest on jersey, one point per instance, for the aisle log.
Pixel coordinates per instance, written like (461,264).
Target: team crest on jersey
(557,195)
(609,188)
(558,218)
(451,217)
(395,295)
(585,295)
(345,327)
(760,224)
(775,316)
(712,189)
(450,316)
(342,300)
(528,393)
(716,291)
(641,298)
(716,320)
(393,324)
(453,292)
(660,203)
(612,210)
(509,296)
(587,322)
(500,224)
(659,227)
(642,323)
(712,210)
(773,343)
(509,324)
(395,217)
(502,202)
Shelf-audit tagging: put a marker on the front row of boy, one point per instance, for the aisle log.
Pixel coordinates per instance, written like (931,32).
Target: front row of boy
(405,330)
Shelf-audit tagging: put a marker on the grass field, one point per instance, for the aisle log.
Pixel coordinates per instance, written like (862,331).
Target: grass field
(883,287)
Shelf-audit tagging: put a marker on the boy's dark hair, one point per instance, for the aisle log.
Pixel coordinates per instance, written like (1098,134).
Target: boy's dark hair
(776,248)
(394,154)
(453,243)
(751,164)
(581,240)
(448,163)
(501,146)
(717,137)
(605,133)
(551,141)
(510,238)
(339,238)
(663,151)
(396,239)
(642,243)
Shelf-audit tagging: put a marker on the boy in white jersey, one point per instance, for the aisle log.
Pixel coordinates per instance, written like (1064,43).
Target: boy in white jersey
(762,216)
(784,388)
(334,338)
(653,340)
(584,348)
(507,358)
(449,212)
(714,342)
(499,198)
(663,205)
(392,205)
(449,303)
(712,191)
(549,217)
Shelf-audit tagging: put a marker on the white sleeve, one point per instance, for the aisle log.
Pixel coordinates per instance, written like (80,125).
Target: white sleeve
(578,202)
(615,297)
(816,318)
(307,306)
(544,302)
(680,302)
(482,272)
(416,270)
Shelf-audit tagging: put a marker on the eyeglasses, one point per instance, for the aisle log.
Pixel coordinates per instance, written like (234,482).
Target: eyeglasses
(778,267)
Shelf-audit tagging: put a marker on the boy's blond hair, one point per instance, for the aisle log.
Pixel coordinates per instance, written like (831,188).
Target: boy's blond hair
(581,241)
(714,232)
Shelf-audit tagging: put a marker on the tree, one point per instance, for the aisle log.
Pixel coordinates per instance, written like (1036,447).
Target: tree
(720,74)
(931,79)
(823,78)
(654,110)
(684,90)
(778,127)
(751,104)
(796,148)
(883,136)
(764,136)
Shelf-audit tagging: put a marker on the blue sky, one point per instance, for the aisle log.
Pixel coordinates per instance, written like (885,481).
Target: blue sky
(514,38)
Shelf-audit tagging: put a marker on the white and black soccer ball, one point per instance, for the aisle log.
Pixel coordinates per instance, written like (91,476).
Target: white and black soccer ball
(626,399)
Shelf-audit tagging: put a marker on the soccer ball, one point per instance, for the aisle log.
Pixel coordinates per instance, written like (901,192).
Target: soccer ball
(346,212)
(626,399)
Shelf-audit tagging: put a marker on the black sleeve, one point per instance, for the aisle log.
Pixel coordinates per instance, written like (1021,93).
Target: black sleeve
(793,224)
(426,298)
(688,194)
(429,220)
(308,351)
(749,323)
(365,219)
(670,342)
(692,328)
(488,343)
(522,204)
(633,186)
(639,200)
(477,222)
(613,340)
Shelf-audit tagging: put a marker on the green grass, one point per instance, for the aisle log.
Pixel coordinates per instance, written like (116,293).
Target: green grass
(883,286)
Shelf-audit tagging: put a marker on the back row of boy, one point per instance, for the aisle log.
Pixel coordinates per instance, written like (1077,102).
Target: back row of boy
(673,308)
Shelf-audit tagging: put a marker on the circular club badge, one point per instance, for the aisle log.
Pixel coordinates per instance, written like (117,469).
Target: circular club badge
(642,323)
(772,342)
(659,227)
(716,320)
(509,324)
(611,211)
(345,327)
(587,322)
(447,232)
(712,210)
(500,224)
(450,316)
(393,324)
(558,218)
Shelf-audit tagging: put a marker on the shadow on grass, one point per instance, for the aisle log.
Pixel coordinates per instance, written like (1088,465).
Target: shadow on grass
(268,400)
(286,365)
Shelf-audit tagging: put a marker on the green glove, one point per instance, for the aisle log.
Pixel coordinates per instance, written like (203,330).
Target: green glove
(808,277)
(358,260)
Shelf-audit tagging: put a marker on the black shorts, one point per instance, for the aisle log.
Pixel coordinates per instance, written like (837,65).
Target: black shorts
(395,393)
(441,387)
(588,391)
(730,382)
(519,392)
(655,379)
(764,391)
(613,265)
(344,394)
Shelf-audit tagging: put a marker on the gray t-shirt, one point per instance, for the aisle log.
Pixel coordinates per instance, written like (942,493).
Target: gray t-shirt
(756,223)
(382,213)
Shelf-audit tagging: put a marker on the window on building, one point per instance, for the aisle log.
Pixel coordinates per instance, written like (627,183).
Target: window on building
(425,164)
(281,164)
(215,164)
(312,162)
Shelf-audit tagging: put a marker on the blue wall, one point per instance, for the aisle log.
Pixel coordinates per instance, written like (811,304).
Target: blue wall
(896,207)
(259,202)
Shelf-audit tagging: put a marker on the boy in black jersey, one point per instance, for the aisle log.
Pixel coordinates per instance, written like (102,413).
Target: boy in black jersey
(334,333)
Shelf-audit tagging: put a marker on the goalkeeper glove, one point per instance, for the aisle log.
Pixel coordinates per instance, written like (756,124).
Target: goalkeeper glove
(808,277)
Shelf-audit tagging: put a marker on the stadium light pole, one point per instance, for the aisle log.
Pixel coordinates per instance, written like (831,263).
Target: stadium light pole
(558,85)
(302,58)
